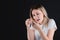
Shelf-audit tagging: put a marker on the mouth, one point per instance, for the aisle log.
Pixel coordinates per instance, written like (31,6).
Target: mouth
(38,19)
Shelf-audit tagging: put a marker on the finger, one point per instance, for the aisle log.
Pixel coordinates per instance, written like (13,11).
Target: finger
(27,21)
(33,21)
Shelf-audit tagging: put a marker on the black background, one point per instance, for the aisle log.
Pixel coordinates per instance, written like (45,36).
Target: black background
(20,12)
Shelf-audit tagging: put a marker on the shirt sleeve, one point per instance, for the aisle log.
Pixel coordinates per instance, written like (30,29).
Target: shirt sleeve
(52,24)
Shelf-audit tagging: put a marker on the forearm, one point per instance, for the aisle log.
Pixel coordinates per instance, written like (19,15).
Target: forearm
(28,37)
(28,30)
(30,34)
(43,35)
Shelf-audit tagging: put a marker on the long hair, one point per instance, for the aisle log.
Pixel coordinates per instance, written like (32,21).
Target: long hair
(43,10)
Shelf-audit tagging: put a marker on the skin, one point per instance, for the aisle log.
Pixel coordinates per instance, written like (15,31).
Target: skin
(37,14)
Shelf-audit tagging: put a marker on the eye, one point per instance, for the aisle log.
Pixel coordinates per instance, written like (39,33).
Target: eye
(33,15)
(37,13)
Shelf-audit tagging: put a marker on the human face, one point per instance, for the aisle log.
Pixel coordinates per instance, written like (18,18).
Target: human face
(37,15)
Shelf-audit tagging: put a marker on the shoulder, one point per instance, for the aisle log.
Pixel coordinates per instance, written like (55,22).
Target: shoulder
(52,24)
(51,21)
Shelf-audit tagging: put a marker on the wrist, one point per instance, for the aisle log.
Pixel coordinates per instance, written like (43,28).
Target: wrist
(39,29)
(28,28)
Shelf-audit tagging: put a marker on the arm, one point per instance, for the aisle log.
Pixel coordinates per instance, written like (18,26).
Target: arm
(30,32)
(49,36)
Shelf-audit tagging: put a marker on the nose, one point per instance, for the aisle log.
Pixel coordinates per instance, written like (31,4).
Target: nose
(37,16)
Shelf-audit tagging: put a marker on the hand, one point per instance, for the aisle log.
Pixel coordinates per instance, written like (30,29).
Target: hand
(36,25)
(28,23)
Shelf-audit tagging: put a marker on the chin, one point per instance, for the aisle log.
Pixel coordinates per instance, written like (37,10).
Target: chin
(39,22)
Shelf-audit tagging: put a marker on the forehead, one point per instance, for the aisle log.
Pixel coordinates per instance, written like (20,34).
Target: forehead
(36,11)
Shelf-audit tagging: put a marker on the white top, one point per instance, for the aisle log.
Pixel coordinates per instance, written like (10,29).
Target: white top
(51,24)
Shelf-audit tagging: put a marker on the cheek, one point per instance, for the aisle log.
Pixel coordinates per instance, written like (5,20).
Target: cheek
(41,16)
(34,18)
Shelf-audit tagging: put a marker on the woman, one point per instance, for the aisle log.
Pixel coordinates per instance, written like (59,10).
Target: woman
(39,25)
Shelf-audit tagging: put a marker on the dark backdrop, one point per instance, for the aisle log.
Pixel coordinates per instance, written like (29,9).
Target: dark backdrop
(20,12)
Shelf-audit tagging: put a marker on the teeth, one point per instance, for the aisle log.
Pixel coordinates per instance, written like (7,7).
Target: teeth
(38,19)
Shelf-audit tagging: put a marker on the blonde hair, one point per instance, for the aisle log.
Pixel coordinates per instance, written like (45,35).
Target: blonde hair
(43,10)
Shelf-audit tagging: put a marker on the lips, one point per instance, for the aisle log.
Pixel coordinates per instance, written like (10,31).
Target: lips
(38,19)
